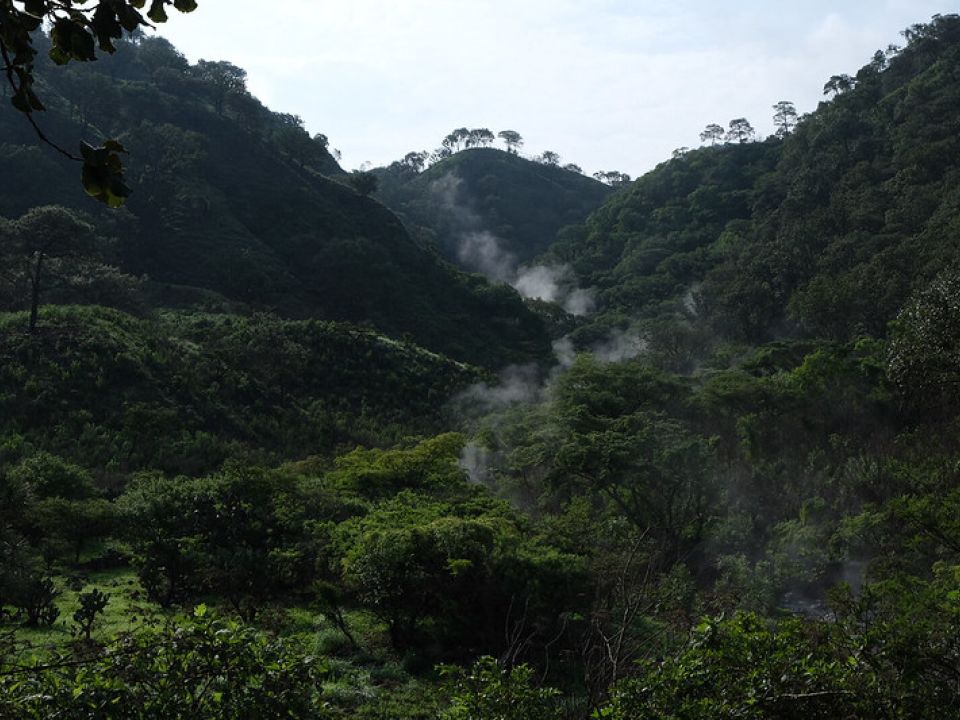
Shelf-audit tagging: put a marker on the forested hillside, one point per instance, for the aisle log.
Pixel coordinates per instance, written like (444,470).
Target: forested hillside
(733,495)
(230,197)
(523,203)
(825,233)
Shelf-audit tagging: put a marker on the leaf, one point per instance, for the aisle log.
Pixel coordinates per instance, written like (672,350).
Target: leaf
(106,26)
(37,8)
(129,18)
(102,174)
(71,38)
(157,12)
(185,6)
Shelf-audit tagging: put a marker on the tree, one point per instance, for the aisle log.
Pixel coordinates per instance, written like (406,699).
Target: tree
(924,353)
(75,33)
(839,84)
(295,142)
(441,153)
(225,79)
(71,524)
(712,133)
(479,137)
(613,178)
(92,604)
(549,157)
(363,182)
(48,244)
(740,131)
(574,168)
(455,141)
(785,117)
(415,161)
(512,140)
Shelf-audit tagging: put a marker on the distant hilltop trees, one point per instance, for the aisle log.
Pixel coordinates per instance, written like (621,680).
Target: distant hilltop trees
(739,130)
(464,138)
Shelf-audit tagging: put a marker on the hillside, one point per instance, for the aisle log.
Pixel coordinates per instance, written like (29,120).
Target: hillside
(738,501)
(521,202)
(183,393)
(232,198)
(825,233)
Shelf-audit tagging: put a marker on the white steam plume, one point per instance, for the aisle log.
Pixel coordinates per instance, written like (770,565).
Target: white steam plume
(481,251)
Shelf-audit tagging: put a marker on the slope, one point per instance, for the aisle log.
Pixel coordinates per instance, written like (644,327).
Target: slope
(521,202)
(233,198)
(825,233)
(184,392)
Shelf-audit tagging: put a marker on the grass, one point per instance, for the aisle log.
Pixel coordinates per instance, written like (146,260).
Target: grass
(365,683)
(126,609)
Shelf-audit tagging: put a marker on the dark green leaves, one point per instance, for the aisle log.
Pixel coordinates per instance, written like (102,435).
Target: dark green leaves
(71,42)
(103,173)
(75,33)
(37,8)
(157,12)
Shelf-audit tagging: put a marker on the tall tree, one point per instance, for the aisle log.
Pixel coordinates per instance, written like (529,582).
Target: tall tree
(713,134)
(224,79)
(512,139)
(549,157)
(415,161)
(785,117)
(456,140)
(48,244)
(839,84)
(480,137)
(740,131)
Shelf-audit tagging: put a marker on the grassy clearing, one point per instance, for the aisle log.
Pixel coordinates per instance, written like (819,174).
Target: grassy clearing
(127,608)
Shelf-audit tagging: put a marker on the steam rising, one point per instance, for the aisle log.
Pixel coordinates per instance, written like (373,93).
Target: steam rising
(481,251)
(478,462)
(556,284)
(517,384)
(619,346)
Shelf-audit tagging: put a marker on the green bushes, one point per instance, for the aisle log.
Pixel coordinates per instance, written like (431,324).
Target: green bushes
(198,668)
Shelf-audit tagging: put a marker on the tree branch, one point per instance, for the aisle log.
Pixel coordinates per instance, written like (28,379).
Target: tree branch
(8,71)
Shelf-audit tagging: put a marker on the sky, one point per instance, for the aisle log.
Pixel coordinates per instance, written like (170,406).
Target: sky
(607,84)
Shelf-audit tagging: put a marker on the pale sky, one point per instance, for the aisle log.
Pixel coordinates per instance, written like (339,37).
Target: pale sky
(608,84)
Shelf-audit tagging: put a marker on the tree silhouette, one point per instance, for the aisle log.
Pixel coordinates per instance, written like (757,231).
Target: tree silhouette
(549,157)
(785,117)
(839,84)
(740,131)
(512,140)
(712,133)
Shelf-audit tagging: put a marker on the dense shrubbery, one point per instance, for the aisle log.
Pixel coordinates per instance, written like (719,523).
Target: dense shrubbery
(799,494)
(234,206)
(197,668)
